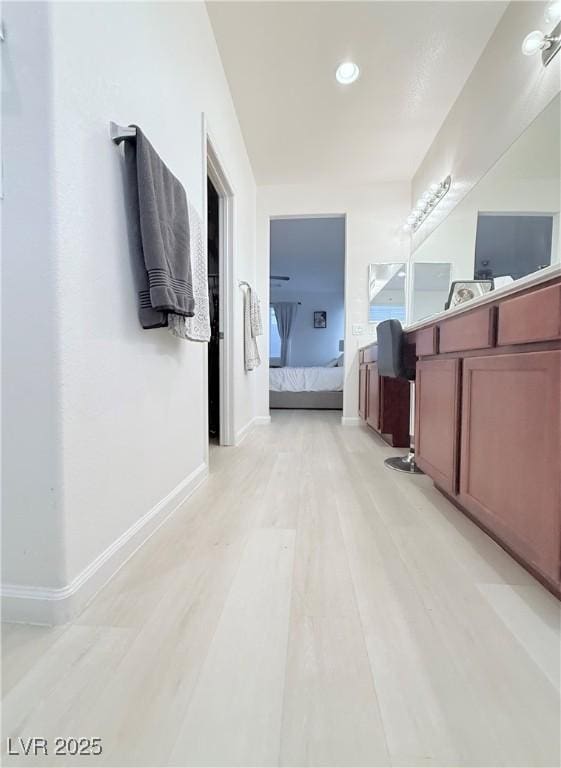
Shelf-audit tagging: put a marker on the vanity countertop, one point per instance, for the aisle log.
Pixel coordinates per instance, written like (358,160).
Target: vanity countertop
(522,284)
(530,281)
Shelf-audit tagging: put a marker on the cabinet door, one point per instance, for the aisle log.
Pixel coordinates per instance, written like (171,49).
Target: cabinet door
(362,391)
(510,476)
(436,421)
(373,397)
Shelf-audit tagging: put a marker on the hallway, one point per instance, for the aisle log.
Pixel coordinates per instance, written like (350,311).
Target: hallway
(306,606)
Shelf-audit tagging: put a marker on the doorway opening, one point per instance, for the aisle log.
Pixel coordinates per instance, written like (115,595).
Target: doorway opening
(307,312)
(219,371)
(213,263)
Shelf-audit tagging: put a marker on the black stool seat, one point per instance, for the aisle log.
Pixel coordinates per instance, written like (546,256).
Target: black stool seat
(391,360)
(391,363)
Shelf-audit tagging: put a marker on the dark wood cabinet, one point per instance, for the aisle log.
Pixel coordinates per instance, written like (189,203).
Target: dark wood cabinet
(510,471)
(373,396)
(488,418)
(394,411)
(383,403)
(436,420)
(362,390)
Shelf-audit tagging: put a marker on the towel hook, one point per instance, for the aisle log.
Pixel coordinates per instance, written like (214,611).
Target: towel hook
(119,133)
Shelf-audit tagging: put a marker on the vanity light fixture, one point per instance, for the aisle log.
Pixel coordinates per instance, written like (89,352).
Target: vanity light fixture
(426,204)
(537,41)
(347,72)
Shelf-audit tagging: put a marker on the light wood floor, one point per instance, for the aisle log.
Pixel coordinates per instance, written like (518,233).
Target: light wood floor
(306,606)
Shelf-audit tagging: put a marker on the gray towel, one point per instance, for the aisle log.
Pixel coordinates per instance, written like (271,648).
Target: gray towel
(162,258)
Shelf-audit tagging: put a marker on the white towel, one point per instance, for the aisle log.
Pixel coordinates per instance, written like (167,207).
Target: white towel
(251,352)
(255,314)
(196,328)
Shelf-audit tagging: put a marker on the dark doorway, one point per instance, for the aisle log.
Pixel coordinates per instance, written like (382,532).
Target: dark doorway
(213,216)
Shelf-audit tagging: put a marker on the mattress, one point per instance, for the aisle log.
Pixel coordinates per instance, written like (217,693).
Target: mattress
(312,379)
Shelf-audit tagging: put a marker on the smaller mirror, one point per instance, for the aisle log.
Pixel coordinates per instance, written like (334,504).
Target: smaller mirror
(431,285)
(386,291)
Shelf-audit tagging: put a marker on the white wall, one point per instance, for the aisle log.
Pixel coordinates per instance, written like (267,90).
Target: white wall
(374,215)
(309,345)
(32,519)
(503,95)
(104,419)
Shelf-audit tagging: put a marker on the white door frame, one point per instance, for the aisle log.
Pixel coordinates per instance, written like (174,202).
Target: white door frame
(214,168)
(283,216)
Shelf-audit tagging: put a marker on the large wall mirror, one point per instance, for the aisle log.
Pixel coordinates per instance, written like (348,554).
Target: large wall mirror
(507,226)
(430,286)
(387,297)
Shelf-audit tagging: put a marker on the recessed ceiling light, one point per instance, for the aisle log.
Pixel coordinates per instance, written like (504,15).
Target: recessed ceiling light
(347,72)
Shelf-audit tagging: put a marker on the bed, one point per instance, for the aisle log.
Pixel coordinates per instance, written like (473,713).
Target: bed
(311,387)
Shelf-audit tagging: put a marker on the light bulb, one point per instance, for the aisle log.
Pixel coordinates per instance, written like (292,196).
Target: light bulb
(552,13)
(434,188)
(533,43)
(407,227)
(411,219)
(347,72)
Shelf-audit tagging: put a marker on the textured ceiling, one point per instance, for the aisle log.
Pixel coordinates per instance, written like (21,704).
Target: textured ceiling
(301,126)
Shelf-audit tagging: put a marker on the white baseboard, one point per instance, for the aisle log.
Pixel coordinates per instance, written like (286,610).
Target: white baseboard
(350,421)
(256,421)
(262,421)
(47,605)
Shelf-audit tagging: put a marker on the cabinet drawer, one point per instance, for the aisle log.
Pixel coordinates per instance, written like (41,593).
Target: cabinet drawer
(425,341)
(533,317)
(470,331)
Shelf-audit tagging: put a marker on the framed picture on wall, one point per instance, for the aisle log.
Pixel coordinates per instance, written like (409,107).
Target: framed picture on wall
(320,319)
(462,291)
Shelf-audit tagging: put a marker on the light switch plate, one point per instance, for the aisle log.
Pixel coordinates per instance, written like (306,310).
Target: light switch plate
(358,329)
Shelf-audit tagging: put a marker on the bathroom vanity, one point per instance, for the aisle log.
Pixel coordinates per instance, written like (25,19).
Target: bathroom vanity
(488,414)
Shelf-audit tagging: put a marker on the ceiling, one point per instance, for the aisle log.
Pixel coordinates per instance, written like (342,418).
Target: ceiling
(311,251)
(301,126)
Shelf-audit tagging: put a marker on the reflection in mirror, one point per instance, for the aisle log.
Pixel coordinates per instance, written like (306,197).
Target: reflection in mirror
(386,292)
(508,224)
(514,244)
(431,285)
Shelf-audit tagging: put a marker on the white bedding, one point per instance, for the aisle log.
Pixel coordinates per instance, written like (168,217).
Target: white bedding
(312,379)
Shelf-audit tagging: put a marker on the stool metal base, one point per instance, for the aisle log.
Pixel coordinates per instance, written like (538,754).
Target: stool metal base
(404,464)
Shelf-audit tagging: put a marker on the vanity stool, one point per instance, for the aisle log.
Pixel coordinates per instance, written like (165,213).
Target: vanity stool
(391,363)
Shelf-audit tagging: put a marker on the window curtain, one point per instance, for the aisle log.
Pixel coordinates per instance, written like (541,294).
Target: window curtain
(285,312)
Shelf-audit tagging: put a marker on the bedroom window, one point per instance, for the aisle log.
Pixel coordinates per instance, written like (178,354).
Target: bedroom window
(381,312)
(274,339)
